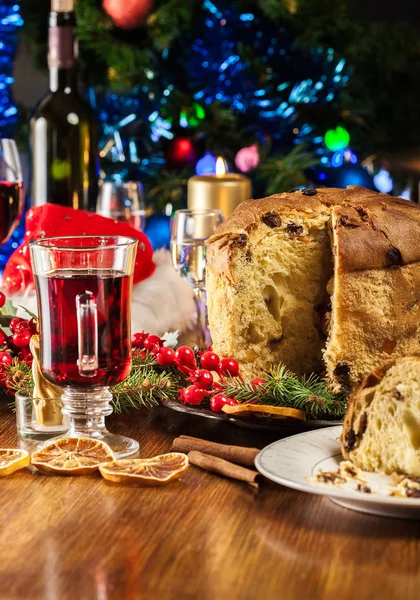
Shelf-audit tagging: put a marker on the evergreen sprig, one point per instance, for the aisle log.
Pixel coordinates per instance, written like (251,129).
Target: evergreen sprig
(284,388)
(149,384)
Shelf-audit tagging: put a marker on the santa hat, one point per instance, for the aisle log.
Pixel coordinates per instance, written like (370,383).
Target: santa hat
(162,301)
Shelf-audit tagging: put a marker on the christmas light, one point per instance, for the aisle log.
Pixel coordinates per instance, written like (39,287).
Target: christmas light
(10,22)
(337,139)
(383,181)
(206,165)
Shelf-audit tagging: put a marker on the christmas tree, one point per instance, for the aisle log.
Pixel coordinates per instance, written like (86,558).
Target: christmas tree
(274,87)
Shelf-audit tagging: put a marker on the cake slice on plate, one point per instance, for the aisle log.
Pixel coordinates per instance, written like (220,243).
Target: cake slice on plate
(381,430)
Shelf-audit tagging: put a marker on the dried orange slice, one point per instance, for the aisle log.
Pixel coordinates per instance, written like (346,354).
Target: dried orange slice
(278,412)
(12,460)
(72,456)
(146,471)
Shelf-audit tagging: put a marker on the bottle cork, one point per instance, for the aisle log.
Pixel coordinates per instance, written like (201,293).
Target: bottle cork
(62,5)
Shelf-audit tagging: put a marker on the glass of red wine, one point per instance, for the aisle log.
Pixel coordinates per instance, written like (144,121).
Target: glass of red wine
(84,287)
(11,189)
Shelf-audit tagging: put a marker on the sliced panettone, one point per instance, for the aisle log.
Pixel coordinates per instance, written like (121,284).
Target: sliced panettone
(381,430)
(320,280)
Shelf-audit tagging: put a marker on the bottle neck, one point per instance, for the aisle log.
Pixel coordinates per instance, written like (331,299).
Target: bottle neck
(63,80)
(62,51)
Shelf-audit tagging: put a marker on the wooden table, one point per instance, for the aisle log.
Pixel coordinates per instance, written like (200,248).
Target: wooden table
(206,538)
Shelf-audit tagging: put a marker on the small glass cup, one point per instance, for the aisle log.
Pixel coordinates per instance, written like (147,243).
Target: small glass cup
(39,418)
(123,201)
(190,230)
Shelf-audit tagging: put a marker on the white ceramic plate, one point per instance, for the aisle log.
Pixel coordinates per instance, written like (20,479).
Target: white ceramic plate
(292,460)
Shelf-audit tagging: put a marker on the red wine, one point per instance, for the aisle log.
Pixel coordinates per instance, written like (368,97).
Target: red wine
(63,136)
(59,329)
(11,204)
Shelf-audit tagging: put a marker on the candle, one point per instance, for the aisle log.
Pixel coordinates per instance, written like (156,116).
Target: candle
(223,191)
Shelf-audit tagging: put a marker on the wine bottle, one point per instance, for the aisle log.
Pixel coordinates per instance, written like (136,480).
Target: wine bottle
(63,134)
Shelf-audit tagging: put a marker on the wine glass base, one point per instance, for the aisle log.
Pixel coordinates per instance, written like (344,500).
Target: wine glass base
(121,446)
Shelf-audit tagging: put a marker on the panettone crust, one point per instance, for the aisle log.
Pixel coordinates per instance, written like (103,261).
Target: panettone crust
(375,242)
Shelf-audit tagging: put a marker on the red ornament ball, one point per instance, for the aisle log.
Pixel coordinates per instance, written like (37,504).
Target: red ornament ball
(181,151)
(151,341)
(166,357)
(257,382)
(127,14)
(209,360)
(2,299)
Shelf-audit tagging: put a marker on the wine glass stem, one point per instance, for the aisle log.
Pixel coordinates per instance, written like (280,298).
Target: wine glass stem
(201,328)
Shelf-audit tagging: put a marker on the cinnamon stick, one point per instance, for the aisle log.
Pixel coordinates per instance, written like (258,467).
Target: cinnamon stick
(239,455)
(222,467)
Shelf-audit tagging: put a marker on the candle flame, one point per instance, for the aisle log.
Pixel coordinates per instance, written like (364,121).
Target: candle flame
(220,166)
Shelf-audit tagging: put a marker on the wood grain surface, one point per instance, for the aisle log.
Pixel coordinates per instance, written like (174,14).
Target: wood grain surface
(204,537)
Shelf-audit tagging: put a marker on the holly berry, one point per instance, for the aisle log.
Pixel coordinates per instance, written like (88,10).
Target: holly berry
(21,339)
(192,395)
(209,360)
(185,359)
(231,402)
(257,382)
(2,299)
(151,341)
(5,358)
(217,402)
(33,325)
(202,379)
(3,337)
(22,326)
(228,366)
(14,322)
(166,357)
(137,339)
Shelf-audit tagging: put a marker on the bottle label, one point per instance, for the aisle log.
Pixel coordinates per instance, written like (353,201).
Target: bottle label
(61,47)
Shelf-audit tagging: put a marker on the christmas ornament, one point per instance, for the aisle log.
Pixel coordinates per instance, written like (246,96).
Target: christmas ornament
(247,158)
(127,14)
(181,152)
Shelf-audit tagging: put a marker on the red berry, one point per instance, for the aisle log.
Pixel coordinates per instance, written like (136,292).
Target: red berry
(210,361)
(166,357)
(231,401)
(2,299)
(151,341)
(201,379)
(14,322)
(257,382)
(217,403)
(137,339)
(21,339)
(3,337)
(22,326)
(5,358)
(192,395)
(228,366)
(185,357)
(33,325)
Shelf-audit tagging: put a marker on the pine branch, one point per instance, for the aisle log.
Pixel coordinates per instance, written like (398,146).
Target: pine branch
(284,388)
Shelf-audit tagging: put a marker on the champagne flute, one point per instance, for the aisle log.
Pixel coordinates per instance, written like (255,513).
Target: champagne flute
(11,189)
(123,201)
(190,230)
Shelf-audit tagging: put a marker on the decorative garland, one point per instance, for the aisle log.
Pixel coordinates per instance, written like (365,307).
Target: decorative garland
(160,373)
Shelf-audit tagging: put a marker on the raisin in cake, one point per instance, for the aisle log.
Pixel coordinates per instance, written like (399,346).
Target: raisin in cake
(381,430)
(319,280)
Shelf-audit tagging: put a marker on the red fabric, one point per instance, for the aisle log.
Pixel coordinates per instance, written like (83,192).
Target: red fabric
(50,220)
